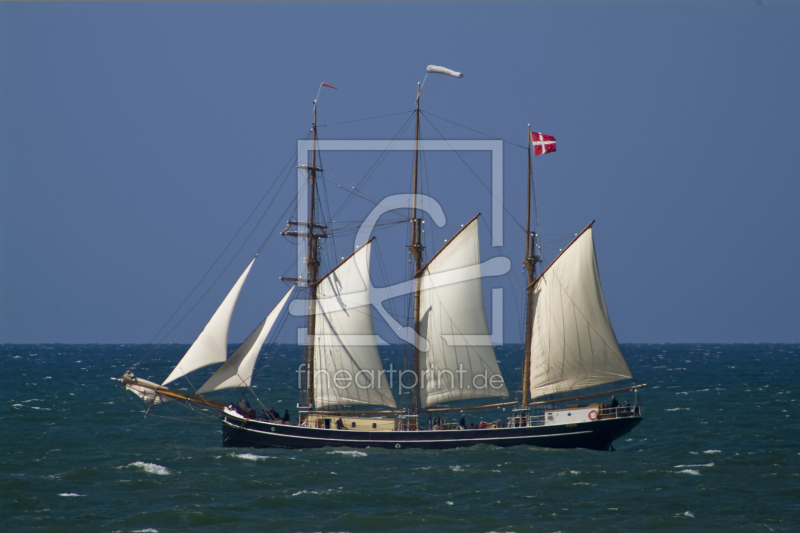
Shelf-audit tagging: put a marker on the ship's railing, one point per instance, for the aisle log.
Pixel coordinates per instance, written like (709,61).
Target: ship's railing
(623,411)
(522,418)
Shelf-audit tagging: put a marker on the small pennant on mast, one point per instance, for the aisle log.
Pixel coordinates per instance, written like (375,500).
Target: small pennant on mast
(321,85)
(542,144)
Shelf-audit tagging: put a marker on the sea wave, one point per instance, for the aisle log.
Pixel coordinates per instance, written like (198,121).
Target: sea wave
(252,456)
(689,471)
(351,453)
(152,468)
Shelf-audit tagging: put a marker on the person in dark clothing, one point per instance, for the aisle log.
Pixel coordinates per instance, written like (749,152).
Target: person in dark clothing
(286,417)
(614,402)
(462,424)
(339,424)
(273,414)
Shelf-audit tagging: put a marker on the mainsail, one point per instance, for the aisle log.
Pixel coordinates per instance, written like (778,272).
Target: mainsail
(237,371)
(573,345)
(211,345)
(457,365)
(347,368)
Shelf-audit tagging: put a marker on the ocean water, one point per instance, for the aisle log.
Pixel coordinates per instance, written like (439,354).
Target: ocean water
(719,449)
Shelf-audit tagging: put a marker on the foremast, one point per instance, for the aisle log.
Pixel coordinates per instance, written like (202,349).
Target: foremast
(416,248)
(314,232)
(530,261)
(312,262)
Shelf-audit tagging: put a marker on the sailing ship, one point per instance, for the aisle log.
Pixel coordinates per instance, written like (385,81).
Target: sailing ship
(570,347)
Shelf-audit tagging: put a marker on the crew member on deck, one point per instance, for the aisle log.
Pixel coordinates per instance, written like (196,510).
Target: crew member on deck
(462,424)
(286,417)
(273,414)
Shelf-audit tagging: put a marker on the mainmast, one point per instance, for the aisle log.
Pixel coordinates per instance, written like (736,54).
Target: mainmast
(531,258)
(416,248)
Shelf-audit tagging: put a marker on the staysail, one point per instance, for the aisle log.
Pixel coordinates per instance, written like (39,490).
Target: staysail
(347,368)
(237,371)
(456,365)
(211,345)
(573,345)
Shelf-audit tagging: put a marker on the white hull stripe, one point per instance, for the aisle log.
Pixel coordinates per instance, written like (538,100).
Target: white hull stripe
(401,441)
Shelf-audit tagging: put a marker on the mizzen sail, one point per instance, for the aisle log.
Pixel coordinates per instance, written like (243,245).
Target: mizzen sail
(573,345)
(211,345)
(457,364)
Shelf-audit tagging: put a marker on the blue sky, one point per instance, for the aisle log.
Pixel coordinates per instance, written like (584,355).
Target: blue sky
(136,138)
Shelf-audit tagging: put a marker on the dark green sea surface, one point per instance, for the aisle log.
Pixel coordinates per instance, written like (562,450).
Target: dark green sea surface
(719,450)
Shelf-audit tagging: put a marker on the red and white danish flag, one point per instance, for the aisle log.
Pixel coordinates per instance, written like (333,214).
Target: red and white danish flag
(542,144)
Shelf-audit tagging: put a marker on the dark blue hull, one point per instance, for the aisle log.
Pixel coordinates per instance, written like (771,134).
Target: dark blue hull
(595,435)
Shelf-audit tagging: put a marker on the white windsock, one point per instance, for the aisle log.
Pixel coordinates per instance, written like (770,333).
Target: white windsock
(433,69)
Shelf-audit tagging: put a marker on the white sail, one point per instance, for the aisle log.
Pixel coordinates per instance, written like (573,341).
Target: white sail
(573,345)
(452,317)
(347,368)
(144,389)
(211,345)
(237,371)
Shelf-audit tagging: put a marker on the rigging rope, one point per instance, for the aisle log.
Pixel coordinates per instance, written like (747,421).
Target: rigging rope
(221,254)
(365,119)
(477,178)
(475,131)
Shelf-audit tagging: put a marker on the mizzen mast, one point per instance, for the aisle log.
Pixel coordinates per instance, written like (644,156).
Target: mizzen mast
(531,258)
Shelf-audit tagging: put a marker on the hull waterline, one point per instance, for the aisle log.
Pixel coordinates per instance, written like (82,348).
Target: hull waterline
(594,435)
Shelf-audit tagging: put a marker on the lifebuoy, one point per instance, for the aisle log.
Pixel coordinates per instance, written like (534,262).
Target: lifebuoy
(592,415)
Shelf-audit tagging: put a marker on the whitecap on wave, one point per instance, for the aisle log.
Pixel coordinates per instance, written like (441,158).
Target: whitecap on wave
(695,466)
(689,471)
(70,494)
(252,456)
(326,491)
(152,468)
(351,453)
(712,451)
